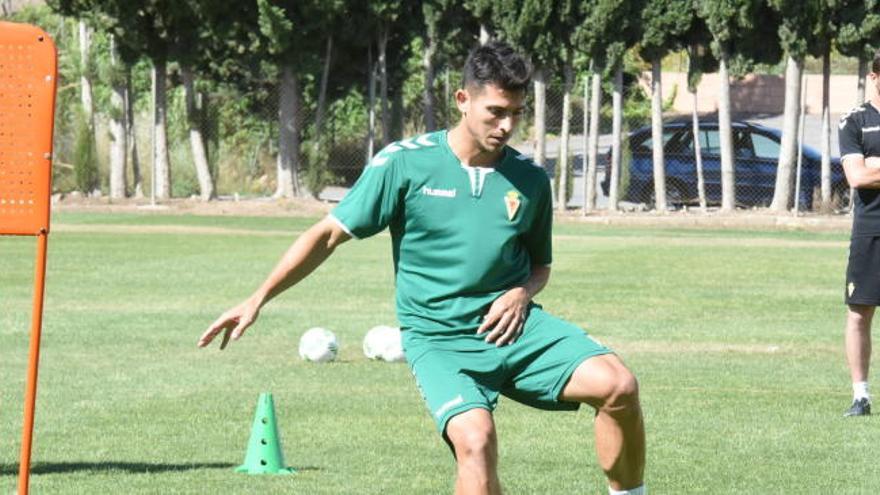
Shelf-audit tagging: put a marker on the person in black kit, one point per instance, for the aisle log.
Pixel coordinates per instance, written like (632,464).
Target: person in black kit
(859,132)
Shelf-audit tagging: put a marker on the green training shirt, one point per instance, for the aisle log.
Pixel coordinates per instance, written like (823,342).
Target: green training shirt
(461,235)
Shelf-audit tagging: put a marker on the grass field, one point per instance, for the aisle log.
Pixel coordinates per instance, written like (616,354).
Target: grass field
(736,338)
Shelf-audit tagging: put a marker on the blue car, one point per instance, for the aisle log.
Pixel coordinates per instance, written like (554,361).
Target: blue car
(756,155)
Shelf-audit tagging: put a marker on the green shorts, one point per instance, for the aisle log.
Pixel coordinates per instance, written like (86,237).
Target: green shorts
(456,375)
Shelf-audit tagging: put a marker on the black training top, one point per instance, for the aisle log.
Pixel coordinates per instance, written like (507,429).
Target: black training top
(859,132)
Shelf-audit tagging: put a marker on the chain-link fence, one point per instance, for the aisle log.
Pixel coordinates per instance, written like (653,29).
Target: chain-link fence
(331,136)
(691,150)
(240,131)
(242,137)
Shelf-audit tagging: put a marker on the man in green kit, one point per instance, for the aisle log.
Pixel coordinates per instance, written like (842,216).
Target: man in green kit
(470,220)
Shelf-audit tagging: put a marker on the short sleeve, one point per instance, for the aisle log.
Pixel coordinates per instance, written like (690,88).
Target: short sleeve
(374,200)
(849,132)
(539,238)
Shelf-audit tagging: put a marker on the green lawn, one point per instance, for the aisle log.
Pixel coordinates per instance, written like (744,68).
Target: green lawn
(736,338)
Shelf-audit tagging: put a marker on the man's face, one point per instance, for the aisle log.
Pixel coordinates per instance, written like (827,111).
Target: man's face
(490,114)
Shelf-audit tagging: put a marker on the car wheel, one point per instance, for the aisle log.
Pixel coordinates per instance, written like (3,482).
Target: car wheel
(676,194)
(840,196)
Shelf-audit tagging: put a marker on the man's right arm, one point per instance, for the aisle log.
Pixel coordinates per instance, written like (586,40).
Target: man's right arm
(311,249)
(861,172)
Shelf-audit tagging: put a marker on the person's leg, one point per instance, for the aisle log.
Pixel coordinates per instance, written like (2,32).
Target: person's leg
(861,295)
(472,434)
(605,383)
(460,392)
(857,340)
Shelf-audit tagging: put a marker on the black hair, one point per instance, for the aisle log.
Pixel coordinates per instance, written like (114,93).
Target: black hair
(497,63)
(875,65)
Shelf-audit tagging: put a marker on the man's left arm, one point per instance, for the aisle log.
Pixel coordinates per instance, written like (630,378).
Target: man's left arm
(507,315)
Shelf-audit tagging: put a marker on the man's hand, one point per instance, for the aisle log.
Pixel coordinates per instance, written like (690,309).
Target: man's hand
(506,317)
(307,253)
(872,162)
(232,323)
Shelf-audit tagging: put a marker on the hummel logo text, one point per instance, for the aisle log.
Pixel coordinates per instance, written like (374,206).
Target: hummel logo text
(443,193)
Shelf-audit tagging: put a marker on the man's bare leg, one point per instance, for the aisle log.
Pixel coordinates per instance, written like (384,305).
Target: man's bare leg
(858,340)
(605,383)
(473,437)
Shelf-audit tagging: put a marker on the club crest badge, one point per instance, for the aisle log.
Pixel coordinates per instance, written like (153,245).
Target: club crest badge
(512,201)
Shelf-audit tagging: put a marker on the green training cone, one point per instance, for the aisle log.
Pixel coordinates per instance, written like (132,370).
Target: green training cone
(264,448)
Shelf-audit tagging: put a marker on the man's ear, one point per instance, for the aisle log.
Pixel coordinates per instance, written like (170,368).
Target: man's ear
(462,100)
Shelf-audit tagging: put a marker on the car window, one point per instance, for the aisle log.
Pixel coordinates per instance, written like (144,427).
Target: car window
(680,142)
(765,146)
(742,144)
(685,143)
(710,142)
(647,144)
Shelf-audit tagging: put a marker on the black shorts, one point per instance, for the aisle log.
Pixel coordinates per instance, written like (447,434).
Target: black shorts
(863,272)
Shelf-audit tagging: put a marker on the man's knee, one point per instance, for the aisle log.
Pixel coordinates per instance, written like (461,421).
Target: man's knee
(860,314)
(605,383)
(475,442)
(623,392)
(472,434)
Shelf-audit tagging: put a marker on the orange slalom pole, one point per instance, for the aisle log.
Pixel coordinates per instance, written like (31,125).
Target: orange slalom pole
(30,393)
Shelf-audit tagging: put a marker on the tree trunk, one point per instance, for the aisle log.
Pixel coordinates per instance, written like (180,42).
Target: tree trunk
(447,101)
(322,93)
(860,85)
(593,145)
(161,167)
(616,128)
(826,130)
(698,155)
(130,130)
(383,86)
(371,89)
(695,129)
(782,195)
(428,91)
(657,137)
(397,110)
(728,189)
(562,159)
(799,146)
(196,141)
(85,41)
(585,141)
(540,117)
(118,137)
(288,135)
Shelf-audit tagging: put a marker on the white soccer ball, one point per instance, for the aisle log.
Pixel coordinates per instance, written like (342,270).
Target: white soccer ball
(372,344)
(383,342)
(318,345)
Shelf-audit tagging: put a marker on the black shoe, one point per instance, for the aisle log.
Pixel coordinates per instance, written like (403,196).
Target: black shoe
(860,407)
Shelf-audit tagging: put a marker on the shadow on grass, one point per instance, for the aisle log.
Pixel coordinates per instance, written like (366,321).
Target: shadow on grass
(129,467)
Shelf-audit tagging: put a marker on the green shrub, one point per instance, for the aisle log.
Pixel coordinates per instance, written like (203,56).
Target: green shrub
(184,182)
(85,164)
(317,174)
